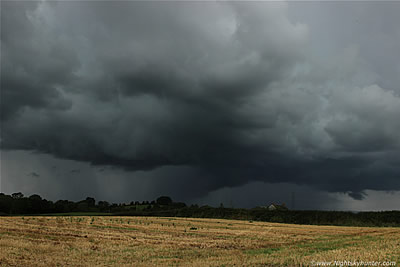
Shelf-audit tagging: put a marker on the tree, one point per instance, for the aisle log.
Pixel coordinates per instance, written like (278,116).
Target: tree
(5,203)
(35,204)
(17,195)
(65,206)
(164,200)
(35,197)
(90,201)
(104,205)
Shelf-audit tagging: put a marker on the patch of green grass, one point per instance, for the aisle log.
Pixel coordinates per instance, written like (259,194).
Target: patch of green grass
(368,238)
(129,250)
(261,251)
(50,237)
(76,214)
(114,227)
(316,247)
(168,257)
(224,237)
(339,242)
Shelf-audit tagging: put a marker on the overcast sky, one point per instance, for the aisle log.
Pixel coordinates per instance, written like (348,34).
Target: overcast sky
(208,102)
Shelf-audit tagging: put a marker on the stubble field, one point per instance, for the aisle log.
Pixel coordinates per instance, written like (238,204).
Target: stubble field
(155,241)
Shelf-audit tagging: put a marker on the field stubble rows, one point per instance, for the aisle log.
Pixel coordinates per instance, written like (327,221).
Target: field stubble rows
(145,241)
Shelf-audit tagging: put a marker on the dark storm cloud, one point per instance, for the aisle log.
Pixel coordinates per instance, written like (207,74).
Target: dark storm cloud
(357,195)
(230,90)
(31,72)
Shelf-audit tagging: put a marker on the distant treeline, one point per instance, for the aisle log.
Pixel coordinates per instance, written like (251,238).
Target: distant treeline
(18,204)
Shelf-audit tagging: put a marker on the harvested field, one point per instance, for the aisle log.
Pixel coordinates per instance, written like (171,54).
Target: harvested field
(146,241)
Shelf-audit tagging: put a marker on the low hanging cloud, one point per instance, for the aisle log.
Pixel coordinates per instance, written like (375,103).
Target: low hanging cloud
(231,91)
